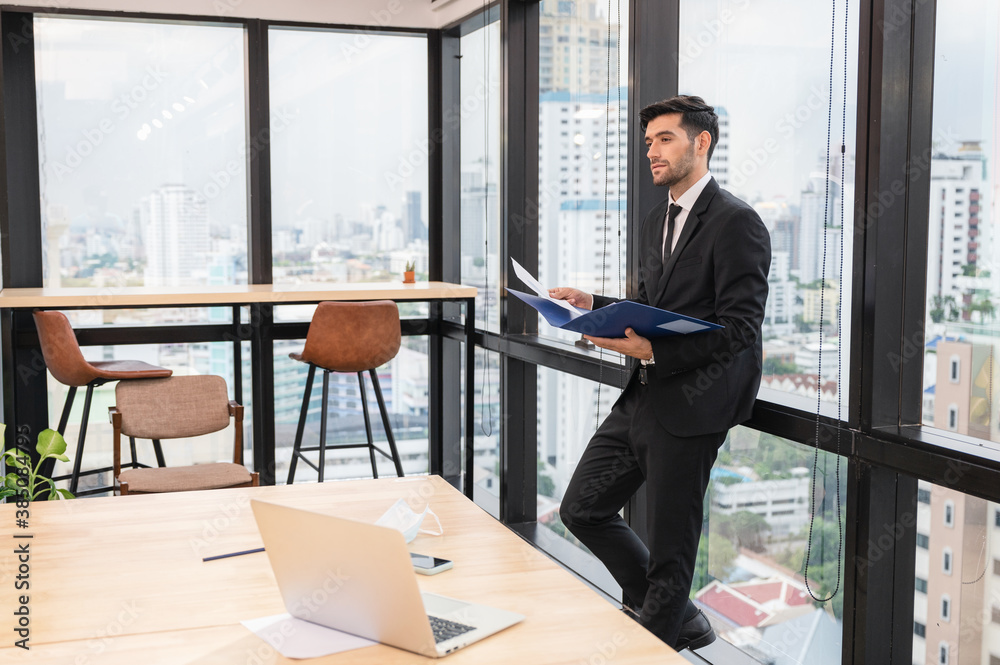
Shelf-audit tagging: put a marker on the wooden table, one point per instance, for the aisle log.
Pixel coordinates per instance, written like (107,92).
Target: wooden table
(25,394)
(121,580)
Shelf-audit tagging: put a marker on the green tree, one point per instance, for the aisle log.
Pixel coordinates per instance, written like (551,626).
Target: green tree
(716,555)
(984,305)
(826,557)
(952,306)
(546,486)
(743,529)
(800,325)
(776,366)
(942,307)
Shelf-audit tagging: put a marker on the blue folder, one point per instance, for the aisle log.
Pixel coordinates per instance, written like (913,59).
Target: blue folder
(612,320)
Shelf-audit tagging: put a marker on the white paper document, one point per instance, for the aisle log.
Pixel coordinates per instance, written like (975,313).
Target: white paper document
(295,638)
(609,321)
(542,292)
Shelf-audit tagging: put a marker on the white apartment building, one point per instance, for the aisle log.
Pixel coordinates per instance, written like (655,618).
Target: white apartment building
(783,503)
(959,243)
(175,219)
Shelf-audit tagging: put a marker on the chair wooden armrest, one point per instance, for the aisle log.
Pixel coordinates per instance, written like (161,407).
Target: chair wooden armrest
(236,411)
(115,416)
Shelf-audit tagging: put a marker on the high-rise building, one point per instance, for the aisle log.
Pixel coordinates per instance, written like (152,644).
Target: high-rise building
(720,156)
(967,388)
(474,213)
(956,615)
(958,242)
(780,309)
(581,169)
(175,221)
(820,217)
(573,46)
(413,224)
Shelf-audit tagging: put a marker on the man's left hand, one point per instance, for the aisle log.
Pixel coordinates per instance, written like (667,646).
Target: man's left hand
(631,345)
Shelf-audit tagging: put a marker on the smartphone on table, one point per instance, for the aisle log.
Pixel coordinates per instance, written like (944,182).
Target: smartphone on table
(429,565)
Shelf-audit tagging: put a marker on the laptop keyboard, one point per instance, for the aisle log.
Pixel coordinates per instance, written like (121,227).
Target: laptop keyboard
(445,630)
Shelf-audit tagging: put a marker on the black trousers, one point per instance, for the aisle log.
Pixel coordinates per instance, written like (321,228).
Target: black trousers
(628,448)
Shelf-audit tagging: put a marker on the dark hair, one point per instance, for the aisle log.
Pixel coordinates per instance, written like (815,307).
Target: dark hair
(696,117)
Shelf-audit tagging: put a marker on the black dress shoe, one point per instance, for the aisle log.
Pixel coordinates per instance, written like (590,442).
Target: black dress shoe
(695,633)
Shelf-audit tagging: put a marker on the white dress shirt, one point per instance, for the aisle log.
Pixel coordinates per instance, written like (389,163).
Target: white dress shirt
(686,202)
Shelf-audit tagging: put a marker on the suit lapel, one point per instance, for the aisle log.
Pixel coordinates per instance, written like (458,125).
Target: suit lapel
(690,226)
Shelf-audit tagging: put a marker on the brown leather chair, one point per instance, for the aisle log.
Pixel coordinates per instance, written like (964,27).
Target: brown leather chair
(66,363)
(175,408)
(348,337)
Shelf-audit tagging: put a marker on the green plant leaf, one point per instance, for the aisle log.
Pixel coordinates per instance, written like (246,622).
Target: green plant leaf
(50,444)
(10,481)
(62,494)
(17,459)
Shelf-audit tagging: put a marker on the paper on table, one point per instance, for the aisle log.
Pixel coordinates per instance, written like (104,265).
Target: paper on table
(295,638)
(533,284)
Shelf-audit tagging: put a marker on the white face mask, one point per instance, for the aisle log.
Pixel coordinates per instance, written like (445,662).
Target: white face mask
(402,518)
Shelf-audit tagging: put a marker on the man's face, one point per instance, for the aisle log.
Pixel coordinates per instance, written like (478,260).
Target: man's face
(671,153)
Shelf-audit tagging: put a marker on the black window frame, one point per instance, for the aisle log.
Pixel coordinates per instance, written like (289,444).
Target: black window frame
(885,448)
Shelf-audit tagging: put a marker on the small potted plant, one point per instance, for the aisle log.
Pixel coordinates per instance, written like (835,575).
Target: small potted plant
(408,273)
(23,480)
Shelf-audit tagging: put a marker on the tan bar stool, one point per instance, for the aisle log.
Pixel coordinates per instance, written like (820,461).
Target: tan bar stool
(178,407)
(348,337)
(66,363)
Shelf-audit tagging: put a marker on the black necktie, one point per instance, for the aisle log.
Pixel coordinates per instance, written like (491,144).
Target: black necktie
(672,213)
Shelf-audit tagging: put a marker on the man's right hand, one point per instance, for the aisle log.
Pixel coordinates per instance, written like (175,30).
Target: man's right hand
(574,297)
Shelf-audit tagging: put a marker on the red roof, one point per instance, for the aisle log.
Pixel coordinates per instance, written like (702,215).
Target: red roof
(734,606)
(760,591)
(769,590)
(752,603)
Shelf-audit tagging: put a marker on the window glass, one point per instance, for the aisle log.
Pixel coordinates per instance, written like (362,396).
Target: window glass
(142,144)
(562,437)
(963,259)
(479,113)
(487,422)
(957,585)
(403,381)
(582,149)
(771,89)
(348,158)
(184,359)
(750,567)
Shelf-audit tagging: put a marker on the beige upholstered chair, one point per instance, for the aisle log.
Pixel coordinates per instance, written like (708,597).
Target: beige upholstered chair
(348,337)
(66,363)
(176,408)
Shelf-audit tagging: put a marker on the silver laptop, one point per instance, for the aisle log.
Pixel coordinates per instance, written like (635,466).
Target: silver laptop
(357,578)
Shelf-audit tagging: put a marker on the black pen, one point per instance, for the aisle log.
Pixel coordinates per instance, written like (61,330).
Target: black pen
(226,556)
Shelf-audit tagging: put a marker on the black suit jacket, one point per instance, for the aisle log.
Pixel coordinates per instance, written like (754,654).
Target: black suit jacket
(706,382)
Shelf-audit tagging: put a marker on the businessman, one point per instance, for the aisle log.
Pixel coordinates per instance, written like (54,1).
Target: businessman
(705,254)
